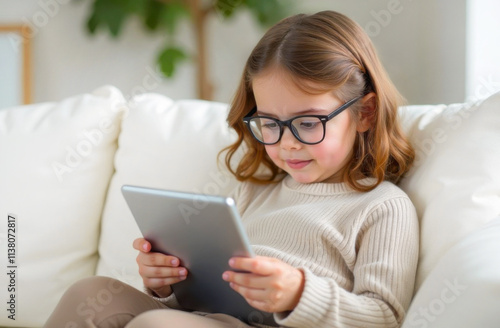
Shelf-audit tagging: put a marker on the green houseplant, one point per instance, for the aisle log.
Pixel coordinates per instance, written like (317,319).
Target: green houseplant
(163,16)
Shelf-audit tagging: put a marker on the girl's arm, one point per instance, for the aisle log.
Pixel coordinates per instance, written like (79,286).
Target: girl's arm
(270,285)
(158,272)
(383,278)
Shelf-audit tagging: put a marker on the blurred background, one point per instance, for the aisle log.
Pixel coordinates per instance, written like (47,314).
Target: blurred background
(436,51)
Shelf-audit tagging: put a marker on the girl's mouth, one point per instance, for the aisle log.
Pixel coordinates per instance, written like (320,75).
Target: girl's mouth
(297,164)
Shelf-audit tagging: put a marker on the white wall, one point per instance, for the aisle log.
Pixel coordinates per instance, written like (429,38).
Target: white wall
(483,51)
(10,71)
(421,43)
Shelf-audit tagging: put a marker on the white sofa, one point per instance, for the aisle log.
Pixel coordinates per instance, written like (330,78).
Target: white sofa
(62,165)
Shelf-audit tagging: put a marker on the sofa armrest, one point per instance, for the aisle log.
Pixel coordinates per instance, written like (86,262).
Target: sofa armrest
(55,168)
(463,289)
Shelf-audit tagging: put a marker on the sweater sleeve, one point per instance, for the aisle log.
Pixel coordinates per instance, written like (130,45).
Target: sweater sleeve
(384,274)
(170,301)
(243,195)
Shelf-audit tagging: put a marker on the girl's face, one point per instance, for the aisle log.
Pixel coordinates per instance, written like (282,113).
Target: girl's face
(277,96)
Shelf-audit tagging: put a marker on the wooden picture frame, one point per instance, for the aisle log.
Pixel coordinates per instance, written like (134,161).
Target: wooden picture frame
(15,65)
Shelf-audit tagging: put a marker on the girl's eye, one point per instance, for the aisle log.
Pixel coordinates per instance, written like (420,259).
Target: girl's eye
(268,124)
(309,125)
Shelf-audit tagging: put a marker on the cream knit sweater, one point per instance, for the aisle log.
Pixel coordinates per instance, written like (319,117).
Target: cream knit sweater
(358,250)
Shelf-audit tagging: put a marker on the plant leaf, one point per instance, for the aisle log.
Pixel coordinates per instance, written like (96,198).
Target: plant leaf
(169,58)
(269,12)
(153,14)
(227,7)
(108,13)
(92,23)
(136,6)
(171,14)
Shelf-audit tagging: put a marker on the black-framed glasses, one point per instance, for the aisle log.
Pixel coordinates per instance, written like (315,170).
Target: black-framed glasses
(308,129)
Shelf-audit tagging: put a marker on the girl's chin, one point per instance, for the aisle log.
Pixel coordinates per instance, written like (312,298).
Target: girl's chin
(301,178)
(307,178)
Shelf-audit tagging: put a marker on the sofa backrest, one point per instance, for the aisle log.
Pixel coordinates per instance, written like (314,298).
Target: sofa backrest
(56,161)
(63,163)
(162,144)
(455,181)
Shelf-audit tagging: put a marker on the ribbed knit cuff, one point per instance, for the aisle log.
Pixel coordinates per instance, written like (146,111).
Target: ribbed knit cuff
(170,301)
(314,304)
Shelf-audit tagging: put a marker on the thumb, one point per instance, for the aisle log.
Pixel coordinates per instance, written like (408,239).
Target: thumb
(142,245)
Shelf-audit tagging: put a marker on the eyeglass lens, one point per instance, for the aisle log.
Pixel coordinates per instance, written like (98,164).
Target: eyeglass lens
(307,128)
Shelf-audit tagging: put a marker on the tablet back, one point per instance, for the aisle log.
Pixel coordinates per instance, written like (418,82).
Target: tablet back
(204,232)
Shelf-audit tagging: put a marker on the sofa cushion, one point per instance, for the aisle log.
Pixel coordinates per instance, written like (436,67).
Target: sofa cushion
(163,144)
(57,161)
(455,182)
(454,194)
(463,288)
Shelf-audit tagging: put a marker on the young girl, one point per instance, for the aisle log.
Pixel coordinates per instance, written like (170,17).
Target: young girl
(337,241)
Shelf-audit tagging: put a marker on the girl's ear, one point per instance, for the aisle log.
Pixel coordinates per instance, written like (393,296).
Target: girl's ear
(367,112)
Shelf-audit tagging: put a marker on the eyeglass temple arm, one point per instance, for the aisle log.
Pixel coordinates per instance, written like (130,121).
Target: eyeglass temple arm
(344,106)
(251,112)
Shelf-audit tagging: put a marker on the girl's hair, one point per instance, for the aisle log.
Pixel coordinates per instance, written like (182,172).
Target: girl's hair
(325,52)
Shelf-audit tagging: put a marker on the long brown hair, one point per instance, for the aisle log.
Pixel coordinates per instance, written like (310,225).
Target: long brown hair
(335,54)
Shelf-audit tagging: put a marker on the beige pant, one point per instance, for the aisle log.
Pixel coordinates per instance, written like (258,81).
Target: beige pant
(101,302)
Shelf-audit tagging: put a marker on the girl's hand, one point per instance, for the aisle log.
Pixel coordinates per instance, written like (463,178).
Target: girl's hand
(270,285)
(158,271)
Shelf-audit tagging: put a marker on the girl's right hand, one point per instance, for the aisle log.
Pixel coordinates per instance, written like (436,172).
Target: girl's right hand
(158,271)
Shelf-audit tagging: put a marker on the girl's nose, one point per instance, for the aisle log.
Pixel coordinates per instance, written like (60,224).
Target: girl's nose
(288,140)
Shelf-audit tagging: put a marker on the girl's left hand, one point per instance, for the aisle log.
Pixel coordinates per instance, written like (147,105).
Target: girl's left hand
(269,284)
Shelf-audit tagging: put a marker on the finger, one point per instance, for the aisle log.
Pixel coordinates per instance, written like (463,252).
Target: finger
(263,299)
(251,293)
(157,259)
(142,245)
(248,280)
(162,272)
(157,283)
(258,265)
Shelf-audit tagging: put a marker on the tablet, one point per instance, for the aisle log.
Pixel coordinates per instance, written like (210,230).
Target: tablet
(204,232)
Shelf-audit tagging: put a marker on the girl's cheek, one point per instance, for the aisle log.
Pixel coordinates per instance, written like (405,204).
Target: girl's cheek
(272,151)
